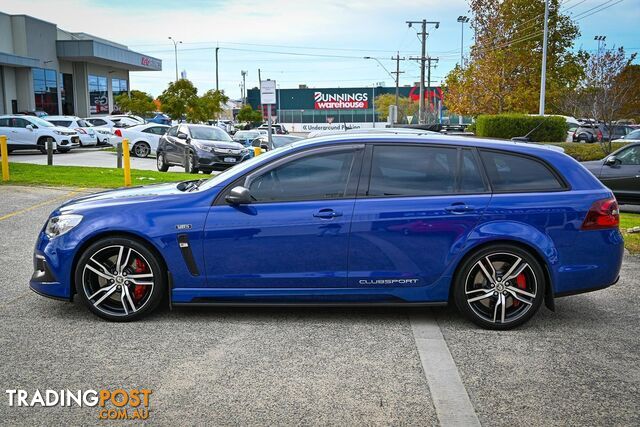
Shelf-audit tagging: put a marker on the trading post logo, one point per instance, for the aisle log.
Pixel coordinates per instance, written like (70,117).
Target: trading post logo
(119,404)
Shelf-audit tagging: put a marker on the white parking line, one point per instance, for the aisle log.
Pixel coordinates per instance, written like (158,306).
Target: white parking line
(449,396)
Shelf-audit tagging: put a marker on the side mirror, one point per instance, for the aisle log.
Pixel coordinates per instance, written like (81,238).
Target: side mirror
(255,142)
(182,135)
(239,196)
(30,127)
(611,161)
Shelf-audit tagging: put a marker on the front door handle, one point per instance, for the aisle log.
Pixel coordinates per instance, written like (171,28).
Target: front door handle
(327,213)
(459,208)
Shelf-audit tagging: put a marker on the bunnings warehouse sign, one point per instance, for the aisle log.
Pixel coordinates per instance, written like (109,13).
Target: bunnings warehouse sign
(341,101)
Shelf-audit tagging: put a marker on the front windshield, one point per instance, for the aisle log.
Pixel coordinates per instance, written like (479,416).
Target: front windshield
(243,134)
(281,141)
(209,133)
(40,122)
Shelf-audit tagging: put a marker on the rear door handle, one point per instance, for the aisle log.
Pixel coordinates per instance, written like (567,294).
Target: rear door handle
(459,208)
(327,213)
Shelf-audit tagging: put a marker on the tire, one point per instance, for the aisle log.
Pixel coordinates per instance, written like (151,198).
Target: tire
(141,149)
(481,289)
(190,167)
(161,162)
(42,145)
(111,292)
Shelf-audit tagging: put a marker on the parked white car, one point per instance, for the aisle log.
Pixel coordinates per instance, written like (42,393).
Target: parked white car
(143,139)
(112,122)
(85,130)
(117,117)
(103,134)
(32,133)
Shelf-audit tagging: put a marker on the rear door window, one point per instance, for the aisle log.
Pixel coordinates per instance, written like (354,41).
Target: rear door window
(516,173)
(412,171)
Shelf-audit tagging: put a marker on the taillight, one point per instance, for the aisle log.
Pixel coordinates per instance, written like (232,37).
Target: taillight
(602,214)
(80,130)
(118,132)
(599,135)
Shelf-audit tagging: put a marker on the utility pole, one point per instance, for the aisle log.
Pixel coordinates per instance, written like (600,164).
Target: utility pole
(244,87)
(397,73)
(423,58)
(462,20)
(429,60)
(175,49)
(600,40)
(543,76)
(217,87)
(391,73)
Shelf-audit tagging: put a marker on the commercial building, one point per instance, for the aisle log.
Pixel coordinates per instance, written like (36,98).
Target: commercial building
(44,68)
(305,109)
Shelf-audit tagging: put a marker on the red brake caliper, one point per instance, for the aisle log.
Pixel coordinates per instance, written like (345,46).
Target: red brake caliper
(139,291)
(521,282)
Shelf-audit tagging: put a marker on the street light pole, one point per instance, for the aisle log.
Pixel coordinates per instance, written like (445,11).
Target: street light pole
(175,49)
(543,76)
(395,78)
(217,87)
(462,20)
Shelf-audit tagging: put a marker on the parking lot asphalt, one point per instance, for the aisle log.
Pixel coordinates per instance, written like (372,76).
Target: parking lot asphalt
(577,366)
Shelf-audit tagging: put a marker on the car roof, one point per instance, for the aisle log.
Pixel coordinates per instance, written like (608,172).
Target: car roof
(438,139)
(62,118)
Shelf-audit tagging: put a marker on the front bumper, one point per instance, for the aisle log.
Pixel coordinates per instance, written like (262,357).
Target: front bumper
(65,142)
(52,263)
(208,160)
(87,139)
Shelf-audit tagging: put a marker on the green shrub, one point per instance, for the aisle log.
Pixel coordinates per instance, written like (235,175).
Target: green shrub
(471,128)
(584,152)
(552,128)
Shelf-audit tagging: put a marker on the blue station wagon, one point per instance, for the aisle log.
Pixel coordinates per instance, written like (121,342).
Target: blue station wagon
(498,228)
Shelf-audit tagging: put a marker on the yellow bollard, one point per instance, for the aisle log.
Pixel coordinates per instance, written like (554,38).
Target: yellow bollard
(257,151)
(5,158)
(127,162)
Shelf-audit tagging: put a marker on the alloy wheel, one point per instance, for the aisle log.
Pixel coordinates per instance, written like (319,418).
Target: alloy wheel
(501,288)
(118,280)
(141,149)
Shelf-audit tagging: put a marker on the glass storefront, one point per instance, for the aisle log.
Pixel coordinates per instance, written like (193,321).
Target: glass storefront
(98,95)
(118,87)
(45,87)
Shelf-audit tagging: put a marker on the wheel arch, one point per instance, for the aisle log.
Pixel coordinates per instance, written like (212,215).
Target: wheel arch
(118,234)
(532,249)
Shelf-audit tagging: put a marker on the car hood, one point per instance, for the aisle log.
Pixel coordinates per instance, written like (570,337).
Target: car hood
(63,129)
(122,196)
(220,144)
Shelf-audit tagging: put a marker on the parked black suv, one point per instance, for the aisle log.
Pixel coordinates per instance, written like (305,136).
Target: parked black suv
(597,132)
(620,171)
(199,148)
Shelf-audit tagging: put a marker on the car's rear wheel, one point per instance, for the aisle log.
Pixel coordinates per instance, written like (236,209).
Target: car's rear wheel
(499,287)
(141,149)
(119,279)
(161,162)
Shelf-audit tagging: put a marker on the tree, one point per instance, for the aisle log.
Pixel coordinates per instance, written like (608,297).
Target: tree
(610,86)
(137,102)
(208,106)
(503,72)
(630,76)
(406,106)
(179,98)
(249,115)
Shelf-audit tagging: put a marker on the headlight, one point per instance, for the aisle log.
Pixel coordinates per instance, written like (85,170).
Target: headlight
(245,151)
(200,146)
(58,132)
(59,225)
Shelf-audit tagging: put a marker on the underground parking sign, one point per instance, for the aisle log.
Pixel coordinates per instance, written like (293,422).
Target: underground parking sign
(268,92)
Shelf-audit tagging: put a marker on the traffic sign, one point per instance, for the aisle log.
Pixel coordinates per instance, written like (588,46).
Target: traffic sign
(268,92)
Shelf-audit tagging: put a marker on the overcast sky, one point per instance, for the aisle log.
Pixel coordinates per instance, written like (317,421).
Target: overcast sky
(318,43)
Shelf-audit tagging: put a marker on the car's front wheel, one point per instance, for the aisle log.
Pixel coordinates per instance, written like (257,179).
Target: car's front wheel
(119,279)
(499,287)
(161,162)
(191,167)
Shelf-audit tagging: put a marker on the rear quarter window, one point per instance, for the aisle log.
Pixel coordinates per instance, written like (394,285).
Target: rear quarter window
(516,173)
